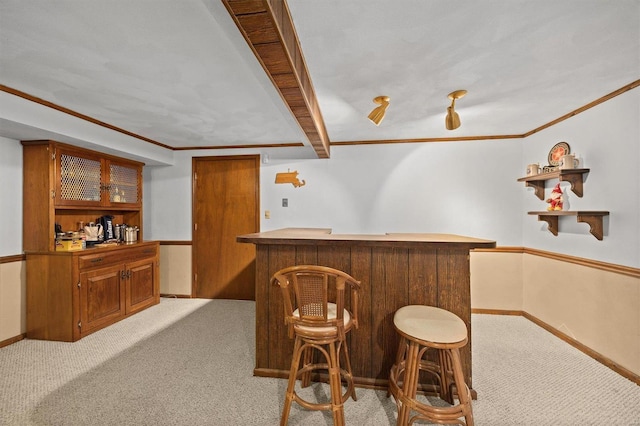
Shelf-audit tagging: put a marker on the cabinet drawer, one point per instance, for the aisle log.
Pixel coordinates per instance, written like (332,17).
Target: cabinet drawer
(115,257)
(138,253)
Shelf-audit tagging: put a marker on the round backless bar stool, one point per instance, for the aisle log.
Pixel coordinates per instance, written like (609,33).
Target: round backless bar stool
(421,328)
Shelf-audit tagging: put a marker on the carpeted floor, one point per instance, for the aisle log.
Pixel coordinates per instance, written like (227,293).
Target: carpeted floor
(190,361)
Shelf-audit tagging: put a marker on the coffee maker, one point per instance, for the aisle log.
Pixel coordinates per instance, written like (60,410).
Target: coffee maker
(107,227)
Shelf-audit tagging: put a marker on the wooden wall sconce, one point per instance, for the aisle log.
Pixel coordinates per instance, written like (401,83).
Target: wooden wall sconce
(289,177)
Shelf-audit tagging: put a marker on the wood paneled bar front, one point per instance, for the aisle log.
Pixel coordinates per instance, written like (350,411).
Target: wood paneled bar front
(395,270)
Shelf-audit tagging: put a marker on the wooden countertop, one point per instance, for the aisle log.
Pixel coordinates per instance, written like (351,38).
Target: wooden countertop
(323,236)
(98,248)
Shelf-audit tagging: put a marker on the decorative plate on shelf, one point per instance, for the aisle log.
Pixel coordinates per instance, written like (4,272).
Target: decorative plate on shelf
(558,150)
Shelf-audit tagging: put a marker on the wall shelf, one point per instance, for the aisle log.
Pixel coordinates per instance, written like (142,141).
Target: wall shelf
(593,218)
(574,176)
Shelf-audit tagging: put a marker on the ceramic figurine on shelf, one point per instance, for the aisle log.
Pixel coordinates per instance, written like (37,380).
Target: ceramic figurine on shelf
(555,199)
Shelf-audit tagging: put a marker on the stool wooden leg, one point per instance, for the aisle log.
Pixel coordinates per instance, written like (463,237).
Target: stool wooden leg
(351,388)
(307,358)
(336,387)
(445,368)
(463,390)
(410,382)
(293,371)
(402,348)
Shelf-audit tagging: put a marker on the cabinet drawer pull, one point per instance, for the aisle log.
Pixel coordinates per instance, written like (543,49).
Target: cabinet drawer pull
(98,259)
(148,251)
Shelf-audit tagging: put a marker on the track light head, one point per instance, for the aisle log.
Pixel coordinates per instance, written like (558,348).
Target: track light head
(452,120)
(378,112)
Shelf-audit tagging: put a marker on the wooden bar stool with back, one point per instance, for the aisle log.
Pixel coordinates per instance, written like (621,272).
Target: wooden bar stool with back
(422,328)
(316,314)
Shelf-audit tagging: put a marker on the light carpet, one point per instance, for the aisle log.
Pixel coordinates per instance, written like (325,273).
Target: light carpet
(190,362)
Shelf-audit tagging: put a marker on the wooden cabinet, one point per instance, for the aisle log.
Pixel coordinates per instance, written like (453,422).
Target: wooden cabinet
(72,294)
(67,185)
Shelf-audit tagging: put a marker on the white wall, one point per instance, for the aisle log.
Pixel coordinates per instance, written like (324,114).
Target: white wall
(10,197)
(458,188)
(466,188)
(167,200)
(607,137)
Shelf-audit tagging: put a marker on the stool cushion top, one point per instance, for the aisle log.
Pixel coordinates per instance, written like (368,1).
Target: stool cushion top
(430,324)
(332,311)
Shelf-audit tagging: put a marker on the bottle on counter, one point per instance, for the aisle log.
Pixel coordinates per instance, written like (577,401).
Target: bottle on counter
(82,235)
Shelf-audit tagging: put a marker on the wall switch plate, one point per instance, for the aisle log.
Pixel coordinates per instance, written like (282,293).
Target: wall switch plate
(267,214)
(285,202)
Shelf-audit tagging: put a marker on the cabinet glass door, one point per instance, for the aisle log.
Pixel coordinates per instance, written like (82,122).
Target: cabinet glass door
(123,184)
(79,179)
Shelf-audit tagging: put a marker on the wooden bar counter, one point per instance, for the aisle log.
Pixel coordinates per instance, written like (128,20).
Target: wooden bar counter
(395,270)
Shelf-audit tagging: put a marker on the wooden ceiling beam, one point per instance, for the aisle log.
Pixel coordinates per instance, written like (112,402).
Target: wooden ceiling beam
(268,29)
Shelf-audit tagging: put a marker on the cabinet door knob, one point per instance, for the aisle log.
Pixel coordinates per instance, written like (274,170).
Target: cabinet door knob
(123,275)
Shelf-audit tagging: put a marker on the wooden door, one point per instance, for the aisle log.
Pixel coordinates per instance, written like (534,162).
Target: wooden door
(226,202)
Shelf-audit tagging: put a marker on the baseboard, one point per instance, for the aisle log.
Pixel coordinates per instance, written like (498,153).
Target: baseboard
(12,340)
(496,312)
(570,340)
(585,349)
(176,296)
(175,243)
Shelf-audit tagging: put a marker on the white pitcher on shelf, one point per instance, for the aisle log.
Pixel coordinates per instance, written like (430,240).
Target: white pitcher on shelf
(94,232)
(569,161)
(533,169)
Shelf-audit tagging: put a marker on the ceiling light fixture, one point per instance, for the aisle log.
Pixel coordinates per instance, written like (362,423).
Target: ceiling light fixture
(452,121)
(378,112)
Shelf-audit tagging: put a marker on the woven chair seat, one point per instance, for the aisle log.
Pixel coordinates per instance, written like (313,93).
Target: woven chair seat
(331,315)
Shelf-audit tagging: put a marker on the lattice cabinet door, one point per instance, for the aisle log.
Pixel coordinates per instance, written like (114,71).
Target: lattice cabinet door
(123,185)
(79,180)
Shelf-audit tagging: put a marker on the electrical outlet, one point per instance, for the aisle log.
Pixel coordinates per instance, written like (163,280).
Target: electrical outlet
(267,214)
(285,202)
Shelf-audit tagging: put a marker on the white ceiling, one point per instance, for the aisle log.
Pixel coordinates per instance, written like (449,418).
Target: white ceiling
(180,73)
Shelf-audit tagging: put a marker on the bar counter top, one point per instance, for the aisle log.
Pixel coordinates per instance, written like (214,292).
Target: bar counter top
(319,236)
